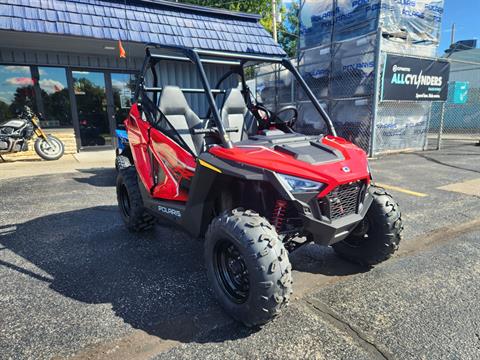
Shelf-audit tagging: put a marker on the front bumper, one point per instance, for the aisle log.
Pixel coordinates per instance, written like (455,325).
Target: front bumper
(325,232)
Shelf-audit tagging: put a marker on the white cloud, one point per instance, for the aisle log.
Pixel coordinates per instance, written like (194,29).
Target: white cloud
(22,81)
(16,68)
(51,86)
(119,84)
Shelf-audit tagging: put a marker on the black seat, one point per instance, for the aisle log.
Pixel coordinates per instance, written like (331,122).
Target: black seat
(236,114)
(177,111)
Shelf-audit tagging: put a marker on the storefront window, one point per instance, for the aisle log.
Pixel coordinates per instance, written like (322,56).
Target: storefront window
(89,87)
(123,86)
(56,102)
(16,91)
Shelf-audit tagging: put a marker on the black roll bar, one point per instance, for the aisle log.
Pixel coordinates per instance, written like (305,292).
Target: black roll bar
(288,65)
(186,59)
(185,90)
(208,91)
(239,56)
(219,57)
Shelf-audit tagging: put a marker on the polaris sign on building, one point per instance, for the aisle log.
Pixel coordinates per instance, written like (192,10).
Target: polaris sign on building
(413,79)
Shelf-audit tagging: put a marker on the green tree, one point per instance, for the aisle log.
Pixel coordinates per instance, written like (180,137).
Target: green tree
(24,95)
(287,30)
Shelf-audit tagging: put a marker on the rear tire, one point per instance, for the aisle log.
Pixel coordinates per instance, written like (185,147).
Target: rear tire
(247,266)
(122,162)
(377,237)
(130,202)
(47,152)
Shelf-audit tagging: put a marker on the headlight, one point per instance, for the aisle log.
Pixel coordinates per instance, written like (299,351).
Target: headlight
(299,185)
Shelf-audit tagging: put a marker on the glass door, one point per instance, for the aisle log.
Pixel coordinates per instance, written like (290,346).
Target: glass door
(90,95)
(123,87)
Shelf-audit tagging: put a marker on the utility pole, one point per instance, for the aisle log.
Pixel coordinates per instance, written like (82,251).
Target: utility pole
(274,19)
(452,35)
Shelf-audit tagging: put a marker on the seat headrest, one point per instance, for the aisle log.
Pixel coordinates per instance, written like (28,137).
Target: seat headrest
(234,102)
(173,102)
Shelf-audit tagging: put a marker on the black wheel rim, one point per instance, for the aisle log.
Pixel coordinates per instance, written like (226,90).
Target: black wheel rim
(231,271)
(124,201)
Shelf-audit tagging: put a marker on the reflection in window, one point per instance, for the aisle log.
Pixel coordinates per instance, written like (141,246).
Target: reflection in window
(123,86)
(16,91)
(89,88)
(56,102)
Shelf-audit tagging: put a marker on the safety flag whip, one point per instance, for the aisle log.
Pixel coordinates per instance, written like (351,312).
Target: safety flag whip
(121,50)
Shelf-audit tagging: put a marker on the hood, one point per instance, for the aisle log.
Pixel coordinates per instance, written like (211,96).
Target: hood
(327,159)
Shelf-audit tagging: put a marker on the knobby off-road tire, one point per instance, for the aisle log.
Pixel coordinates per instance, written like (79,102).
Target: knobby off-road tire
(122,162)
(49,152)
(378,236)
(130,201)
(267,282)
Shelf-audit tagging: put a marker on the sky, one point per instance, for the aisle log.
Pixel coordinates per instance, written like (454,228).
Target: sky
(466,16)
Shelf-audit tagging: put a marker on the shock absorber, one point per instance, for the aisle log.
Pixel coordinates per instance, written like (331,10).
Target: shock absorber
(278,215)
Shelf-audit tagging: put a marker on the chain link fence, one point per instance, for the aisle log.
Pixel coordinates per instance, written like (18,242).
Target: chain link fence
(456,122)
(340,75)
(343,77)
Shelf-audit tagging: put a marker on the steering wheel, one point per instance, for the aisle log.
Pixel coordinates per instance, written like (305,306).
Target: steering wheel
(289,120)
(262,114)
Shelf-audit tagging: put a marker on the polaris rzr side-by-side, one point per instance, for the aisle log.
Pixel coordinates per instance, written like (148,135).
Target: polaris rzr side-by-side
(244,181)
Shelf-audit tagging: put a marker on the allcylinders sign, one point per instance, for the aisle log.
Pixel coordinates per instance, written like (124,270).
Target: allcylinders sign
(414,79)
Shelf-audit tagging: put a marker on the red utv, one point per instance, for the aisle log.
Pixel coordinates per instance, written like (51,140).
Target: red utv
(246,182)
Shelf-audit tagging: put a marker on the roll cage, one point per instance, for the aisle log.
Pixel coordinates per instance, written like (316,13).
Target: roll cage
(237,62)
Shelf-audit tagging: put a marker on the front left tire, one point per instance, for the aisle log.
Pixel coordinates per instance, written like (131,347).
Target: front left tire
(248,266)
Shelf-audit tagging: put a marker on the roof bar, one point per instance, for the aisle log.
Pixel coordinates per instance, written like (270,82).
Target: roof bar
(250,57)
(186,90)
(182,58)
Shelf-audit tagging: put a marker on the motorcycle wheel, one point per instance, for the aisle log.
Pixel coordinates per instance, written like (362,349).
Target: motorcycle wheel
(47,151)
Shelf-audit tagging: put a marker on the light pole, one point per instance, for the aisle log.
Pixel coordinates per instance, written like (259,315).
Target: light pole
(274,19)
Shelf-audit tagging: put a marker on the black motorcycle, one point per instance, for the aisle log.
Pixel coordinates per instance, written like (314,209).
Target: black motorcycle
(15,133)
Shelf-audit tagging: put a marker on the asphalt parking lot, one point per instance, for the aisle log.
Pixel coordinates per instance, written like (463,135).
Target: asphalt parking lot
(75,283)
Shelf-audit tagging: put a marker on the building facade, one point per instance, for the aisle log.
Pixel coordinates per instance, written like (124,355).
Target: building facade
(61,57)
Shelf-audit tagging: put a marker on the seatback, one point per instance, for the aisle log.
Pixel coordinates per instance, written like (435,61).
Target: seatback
(233,114)
(174,106)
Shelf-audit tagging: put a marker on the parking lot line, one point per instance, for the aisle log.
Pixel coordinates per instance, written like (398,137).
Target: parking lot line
(402,190)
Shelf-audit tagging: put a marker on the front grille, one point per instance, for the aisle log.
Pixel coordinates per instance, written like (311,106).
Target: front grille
(342,201)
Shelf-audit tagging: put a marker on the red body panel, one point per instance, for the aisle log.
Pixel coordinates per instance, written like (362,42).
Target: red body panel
(178,164)
(327,173)
(137,130)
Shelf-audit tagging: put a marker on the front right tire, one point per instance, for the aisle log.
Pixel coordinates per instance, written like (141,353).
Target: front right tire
(378,236)
(248,266)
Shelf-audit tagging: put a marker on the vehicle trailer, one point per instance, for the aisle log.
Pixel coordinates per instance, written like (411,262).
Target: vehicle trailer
(245,182)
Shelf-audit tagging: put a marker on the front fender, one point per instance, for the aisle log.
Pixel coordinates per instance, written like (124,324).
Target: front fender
(212,176)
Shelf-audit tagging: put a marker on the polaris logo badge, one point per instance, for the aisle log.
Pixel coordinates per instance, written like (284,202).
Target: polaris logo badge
(346,169)
(170,211)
